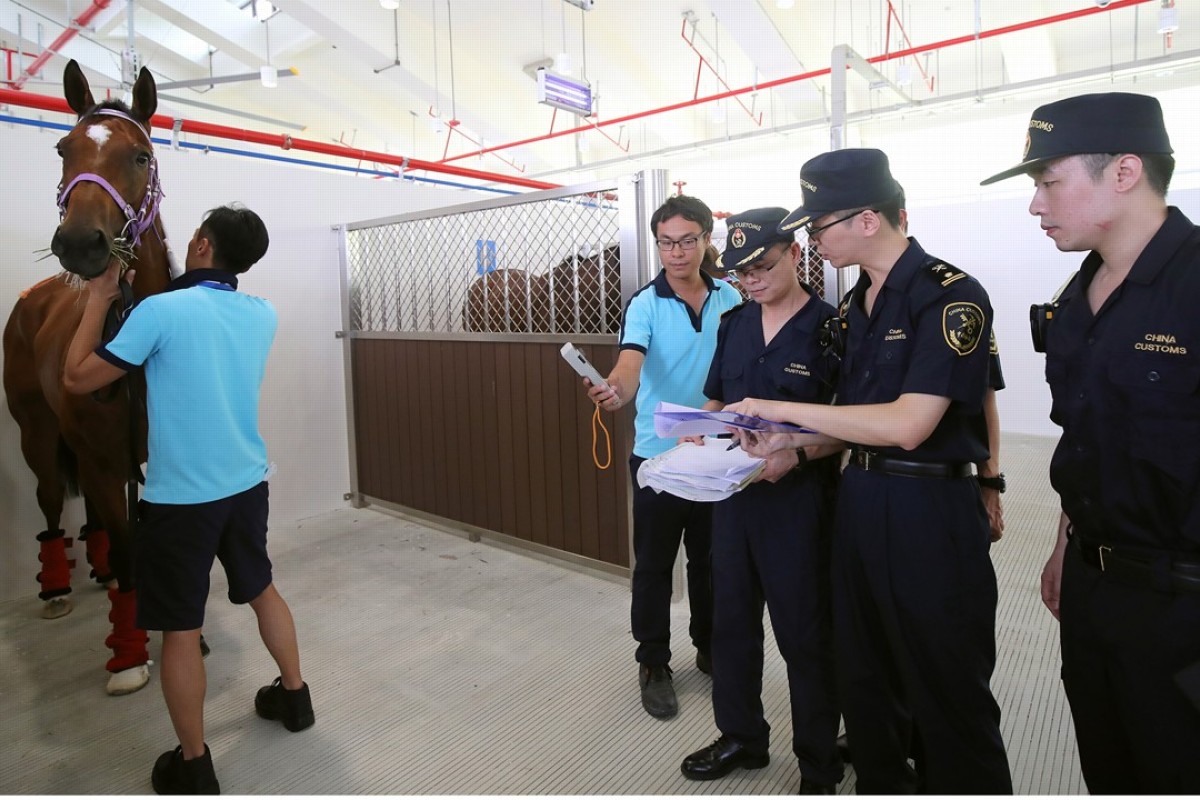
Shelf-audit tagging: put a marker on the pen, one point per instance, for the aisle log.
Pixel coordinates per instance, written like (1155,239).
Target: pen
(735,444)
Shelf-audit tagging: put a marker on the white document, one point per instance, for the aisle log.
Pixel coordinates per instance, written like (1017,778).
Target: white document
(708,472)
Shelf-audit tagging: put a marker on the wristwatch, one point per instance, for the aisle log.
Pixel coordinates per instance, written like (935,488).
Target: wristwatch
(998,483)
(801,459)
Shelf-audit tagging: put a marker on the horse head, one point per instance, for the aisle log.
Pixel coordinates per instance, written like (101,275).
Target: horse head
(110,192)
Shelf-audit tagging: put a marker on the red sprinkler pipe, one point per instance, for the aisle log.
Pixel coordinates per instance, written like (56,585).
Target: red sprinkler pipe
(1020,26)
(285,142)
(67,35)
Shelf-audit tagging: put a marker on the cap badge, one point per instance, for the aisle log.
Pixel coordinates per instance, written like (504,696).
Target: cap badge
(737,238)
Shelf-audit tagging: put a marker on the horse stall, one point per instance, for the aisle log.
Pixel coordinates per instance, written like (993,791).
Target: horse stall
(460,409)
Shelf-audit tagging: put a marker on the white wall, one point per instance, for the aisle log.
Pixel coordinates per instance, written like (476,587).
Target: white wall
(303,404)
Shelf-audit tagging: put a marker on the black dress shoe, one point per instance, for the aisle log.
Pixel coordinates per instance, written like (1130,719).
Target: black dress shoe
(843,746)
(658,690)
(719,759)
(704,661)
(808,787)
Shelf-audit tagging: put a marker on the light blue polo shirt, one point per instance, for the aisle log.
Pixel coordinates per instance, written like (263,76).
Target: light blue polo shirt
(204,346)
(678,346)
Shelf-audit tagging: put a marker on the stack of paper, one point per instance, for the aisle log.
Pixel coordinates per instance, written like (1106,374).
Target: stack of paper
(707,472)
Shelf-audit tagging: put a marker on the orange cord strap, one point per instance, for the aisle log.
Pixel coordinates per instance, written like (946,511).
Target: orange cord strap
(597,421)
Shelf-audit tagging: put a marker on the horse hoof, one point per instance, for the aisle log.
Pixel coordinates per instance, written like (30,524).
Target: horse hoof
(57,607)
(128,681)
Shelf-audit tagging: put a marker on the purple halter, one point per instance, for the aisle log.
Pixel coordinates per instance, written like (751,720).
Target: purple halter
(136,222)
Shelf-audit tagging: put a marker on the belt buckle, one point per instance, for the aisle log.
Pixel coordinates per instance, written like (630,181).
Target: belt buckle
(865,459)
(1100,550)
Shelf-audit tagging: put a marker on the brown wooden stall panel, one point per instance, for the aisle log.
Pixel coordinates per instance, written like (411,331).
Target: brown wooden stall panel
(492,434)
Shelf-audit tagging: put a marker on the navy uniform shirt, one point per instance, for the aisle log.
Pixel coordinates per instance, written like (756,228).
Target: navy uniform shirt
(1124,384)
(792,367)
(930,332)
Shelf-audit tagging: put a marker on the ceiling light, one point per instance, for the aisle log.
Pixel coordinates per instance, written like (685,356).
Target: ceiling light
(785,4)
(390,5)
(1168,19)
(269,76)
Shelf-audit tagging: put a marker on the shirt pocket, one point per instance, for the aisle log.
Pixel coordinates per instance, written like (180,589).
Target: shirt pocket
(733,382)
(1163,412)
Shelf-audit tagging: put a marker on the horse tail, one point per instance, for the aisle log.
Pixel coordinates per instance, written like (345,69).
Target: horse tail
(68,468)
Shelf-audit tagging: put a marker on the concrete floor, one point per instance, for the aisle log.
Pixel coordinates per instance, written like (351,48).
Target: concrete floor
(442,666)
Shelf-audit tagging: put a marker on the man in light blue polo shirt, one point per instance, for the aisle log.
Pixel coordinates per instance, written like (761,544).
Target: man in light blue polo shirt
(668,338)
(204,347)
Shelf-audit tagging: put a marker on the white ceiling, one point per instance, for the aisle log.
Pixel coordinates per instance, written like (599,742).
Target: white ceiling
(375,80)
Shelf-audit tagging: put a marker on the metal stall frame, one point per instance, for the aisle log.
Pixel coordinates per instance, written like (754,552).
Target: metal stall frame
(640,194)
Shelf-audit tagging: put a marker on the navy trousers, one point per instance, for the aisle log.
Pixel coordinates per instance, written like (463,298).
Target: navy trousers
(771,546)
(914,626)
(1121,648)
(660,522)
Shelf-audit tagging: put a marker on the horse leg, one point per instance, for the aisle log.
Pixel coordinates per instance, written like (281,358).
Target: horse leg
(127,641)
(96,538)
(40,445)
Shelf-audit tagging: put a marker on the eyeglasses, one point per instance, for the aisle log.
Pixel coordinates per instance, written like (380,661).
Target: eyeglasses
(688,243)
(759,272)
(819,229)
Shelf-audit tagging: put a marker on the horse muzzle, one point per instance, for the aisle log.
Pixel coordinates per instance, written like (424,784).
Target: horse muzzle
(84,252)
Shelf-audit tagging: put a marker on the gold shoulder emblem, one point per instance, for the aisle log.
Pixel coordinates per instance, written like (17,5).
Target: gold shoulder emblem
(962,327)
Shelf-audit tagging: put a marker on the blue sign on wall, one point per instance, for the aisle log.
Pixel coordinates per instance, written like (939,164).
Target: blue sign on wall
(485,256)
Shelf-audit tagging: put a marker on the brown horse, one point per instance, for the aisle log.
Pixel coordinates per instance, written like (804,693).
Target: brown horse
(585,292)
(499,302)
(108,201)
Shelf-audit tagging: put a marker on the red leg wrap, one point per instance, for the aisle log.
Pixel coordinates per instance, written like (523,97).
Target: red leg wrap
(97,553)
(55,576)
(127,641)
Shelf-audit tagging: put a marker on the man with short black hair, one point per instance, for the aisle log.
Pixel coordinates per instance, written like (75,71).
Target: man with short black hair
(914,592)
(1122,344)
(204,347)
(668,335)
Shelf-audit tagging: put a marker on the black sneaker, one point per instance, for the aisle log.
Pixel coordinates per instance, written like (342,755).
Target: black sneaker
(292,707)
(173,775)
(704,661)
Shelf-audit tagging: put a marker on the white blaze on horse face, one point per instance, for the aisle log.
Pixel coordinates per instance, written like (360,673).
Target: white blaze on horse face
(98,134)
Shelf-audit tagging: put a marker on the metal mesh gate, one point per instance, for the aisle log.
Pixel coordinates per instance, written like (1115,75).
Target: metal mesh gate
(516,266)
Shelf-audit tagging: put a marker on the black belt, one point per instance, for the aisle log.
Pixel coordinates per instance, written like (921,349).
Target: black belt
(873,462)
(1163,571)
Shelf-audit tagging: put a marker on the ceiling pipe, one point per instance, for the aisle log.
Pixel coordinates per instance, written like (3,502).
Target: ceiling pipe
(284,142)
(71,31)
(912,51)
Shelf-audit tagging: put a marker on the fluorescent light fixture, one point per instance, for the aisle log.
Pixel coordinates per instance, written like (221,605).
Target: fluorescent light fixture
(561,91)
(390,5)
(1168,19)
(785,4)
(269,76)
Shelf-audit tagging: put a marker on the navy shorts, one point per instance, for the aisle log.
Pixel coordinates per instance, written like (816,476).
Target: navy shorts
(176,545)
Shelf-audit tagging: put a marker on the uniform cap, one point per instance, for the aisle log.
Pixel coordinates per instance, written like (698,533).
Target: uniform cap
(1113,122)
(841,180)
(751,233)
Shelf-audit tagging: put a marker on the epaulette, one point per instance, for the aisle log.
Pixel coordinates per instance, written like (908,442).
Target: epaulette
(943,273)
(738,307)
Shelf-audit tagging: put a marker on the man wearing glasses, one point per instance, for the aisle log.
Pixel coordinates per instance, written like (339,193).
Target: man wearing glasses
(914,592)
(668,336)
(771,541)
